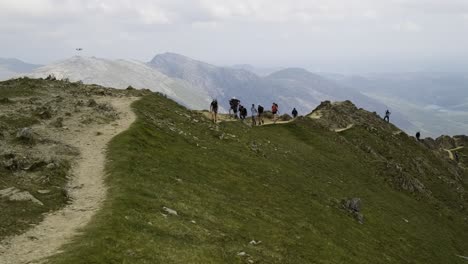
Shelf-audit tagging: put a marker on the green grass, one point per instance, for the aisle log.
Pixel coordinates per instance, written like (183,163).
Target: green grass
(23,87)
(277,184)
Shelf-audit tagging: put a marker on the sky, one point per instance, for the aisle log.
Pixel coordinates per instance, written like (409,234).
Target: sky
(342,36)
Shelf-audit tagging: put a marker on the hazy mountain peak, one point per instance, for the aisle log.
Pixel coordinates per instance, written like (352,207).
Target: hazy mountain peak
(292,73)
(14,65)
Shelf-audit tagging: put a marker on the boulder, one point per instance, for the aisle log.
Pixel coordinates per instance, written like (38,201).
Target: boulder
(25,134)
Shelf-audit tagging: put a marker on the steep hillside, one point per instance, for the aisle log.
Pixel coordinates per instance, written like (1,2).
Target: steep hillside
(184,190)
(121,74)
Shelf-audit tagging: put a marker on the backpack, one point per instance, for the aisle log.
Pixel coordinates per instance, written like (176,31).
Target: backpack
(214,104)
(274,108)
(260,109)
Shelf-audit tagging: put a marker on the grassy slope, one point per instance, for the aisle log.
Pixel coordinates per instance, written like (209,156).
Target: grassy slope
(278,184)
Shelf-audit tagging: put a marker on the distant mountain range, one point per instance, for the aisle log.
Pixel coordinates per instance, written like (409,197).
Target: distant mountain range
(12,67)
(292,87)
(431,103)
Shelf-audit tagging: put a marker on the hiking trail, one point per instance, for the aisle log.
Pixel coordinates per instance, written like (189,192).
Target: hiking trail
(86,190)
(450,152)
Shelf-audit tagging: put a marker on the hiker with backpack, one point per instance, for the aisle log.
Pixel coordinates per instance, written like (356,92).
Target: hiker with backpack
(254,112)
(243,113)
(294,113)
(234,106)
(214,110)
(387,116)
(275,111)
(260,115)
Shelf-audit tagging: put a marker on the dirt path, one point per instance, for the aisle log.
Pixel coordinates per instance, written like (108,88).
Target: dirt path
(450,152)
(344,129)
(86,189)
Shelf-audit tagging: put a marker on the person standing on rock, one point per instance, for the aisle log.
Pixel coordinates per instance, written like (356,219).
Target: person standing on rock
(294,113)
(254,112)
(214,110)
(260,115)
(387,116)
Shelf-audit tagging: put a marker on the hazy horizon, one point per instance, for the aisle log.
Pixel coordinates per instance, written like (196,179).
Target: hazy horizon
(322,36)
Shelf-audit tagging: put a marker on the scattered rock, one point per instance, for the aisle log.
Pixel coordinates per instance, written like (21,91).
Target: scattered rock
(170,211)
(25,134)
(242,254)
(14,194)
(44,113)
(51,166)
(44,191)
(353,206)
(58,123)
(253,242)
(91,103)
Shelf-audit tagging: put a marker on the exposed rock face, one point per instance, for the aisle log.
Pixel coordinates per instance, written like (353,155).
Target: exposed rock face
(339,115)
(353,206)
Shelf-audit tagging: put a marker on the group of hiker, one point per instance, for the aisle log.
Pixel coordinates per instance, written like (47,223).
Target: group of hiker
(257,112)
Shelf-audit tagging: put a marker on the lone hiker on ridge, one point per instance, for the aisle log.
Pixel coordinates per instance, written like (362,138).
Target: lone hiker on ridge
(294,113)
(254,112)
(418,136)
(275,111)
(387,116)
(214,110)
(234,106)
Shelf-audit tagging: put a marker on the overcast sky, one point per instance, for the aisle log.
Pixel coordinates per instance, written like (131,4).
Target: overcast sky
(321,35)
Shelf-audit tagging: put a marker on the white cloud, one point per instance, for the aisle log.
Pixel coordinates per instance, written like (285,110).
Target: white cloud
(408,26)
(230,30)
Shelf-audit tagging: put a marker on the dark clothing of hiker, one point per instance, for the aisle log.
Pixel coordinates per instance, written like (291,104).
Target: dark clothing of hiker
(260,115)
(234,106)
(418,136)
(294,113)
(214,106)
(214,110)
(243,112)
(387,116)
(457,157)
